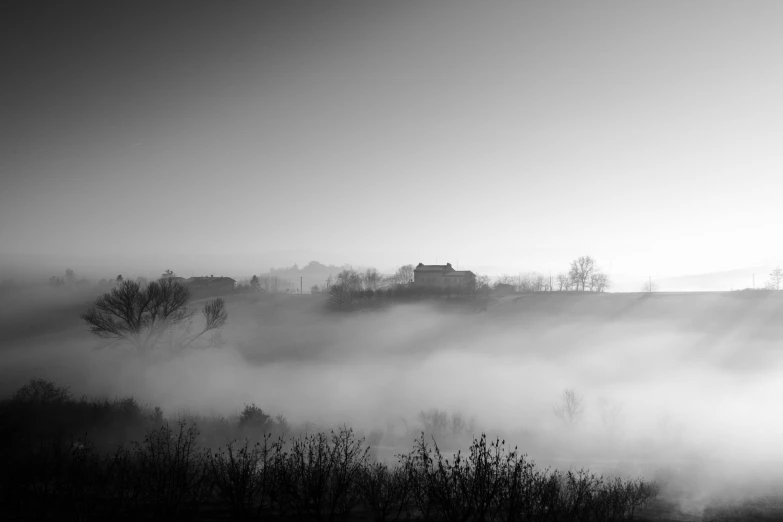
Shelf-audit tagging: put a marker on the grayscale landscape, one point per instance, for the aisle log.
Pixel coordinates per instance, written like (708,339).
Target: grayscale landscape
(383,261)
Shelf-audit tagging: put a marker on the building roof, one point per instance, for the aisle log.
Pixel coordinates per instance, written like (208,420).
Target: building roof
(430,268)
(433,268)
(459,273)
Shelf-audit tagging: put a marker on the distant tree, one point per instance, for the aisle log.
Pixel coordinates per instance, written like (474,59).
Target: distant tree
(581,271)
(372,279)
(347,286)
(119,279)
(339,295)
(541,284)
(478,284)
(255,284)
(775,277)
(570,408)
(41,391)
(144,316)
(563,282)
(506,279)
(599,282)
(70,276)
(650,286)
(56,281)
(315,289)
(403,275)
(143,281)
(103,281)
(351,279)
(254,417)
(435,421)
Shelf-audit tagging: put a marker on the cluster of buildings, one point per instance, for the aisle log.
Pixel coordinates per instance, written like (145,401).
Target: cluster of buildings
(424,276)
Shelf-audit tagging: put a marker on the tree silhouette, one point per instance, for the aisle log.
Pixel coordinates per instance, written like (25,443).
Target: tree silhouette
(142,316)
(570,408)
(581,271)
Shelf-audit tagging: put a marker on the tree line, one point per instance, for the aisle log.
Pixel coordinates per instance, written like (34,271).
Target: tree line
(174,471)
(584,275)
(350,287)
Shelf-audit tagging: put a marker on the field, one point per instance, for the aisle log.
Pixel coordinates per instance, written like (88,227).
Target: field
(680,388)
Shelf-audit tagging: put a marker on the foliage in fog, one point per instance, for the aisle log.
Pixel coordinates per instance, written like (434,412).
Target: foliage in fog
(173,471)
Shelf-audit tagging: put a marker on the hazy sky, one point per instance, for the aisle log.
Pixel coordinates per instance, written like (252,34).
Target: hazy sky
(228,137)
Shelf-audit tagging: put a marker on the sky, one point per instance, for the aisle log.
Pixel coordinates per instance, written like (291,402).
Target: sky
(222,138)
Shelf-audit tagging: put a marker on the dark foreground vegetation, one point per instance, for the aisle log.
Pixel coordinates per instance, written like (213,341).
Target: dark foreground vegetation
(66,459)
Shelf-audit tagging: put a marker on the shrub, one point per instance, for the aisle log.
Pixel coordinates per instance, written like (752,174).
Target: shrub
(174,469)
(243,477)
(317,476)
(320,477)
(384,491)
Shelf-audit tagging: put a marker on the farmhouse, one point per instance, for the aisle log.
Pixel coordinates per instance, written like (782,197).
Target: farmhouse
(209,285)
(441,276)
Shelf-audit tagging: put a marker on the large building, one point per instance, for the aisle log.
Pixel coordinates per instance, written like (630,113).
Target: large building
(441,276)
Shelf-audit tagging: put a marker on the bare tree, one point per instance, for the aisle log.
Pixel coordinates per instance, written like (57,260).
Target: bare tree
(255,284)
(775,277)
(435,421)
(650,286)
(478,284)
(582,270)
(563,282)
(70,276)
(372,279)
(141,316)
(541,284)
(599,282)
(339,295)
(346,286)
(570,408)
(351,279)
(403,276)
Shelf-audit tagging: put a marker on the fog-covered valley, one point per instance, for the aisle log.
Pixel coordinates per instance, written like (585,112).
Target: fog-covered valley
(683,386)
